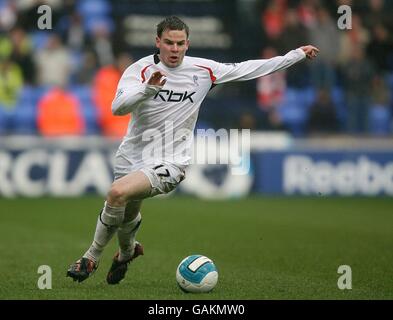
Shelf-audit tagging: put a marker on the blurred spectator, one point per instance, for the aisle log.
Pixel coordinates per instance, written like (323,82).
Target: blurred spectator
(22,53)
(88,68)
(358,74)
(11,82)
(251,45)
(273,121)
(11,78)
(73,31)
(100,43)
(59,114)
(272,18)
(76,32)
(104,90)
(377,13)
(307,13)
(8,15)
(380,118)
(293,36)
(355,37)
(322,114)
(247,121)
(325,37)
(380,93)
(271,88)
(53,63)
(380,49)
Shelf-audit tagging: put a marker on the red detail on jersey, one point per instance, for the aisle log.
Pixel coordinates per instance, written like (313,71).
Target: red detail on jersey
(212,77)
(143,73)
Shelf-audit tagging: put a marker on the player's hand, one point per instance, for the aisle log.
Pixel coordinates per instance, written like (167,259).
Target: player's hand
(310,51)
(157,79)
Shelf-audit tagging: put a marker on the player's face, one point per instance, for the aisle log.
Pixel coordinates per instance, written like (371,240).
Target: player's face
(173,45)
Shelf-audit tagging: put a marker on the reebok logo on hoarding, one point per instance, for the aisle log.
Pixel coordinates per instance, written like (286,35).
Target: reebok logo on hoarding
(302,174)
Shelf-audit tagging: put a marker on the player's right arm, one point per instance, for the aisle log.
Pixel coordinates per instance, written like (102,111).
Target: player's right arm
(132,91)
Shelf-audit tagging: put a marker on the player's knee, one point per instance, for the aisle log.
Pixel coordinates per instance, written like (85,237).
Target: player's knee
(116,195)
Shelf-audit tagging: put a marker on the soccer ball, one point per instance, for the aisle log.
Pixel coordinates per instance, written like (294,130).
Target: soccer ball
(196,274)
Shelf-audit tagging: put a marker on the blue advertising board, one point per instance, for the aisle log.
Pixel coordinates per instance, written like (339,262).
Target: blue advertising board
(74,169)
(336,172)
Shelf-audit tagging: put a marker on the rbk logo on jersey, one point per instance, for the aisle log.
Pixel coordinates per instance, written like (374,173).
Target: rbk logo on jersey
(171,96)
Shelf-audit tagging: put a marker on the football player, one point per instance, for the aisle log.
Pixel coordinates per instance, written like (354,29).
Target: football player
(164,88)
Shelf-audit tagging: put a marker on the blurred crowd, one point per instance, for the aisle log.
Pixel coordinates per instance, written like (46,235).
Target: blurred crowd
(62,81)
(348,88)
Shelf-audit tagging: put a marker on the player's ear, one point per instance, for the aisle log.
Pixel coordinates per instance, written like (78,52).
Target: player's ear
(187,44)
(158,42)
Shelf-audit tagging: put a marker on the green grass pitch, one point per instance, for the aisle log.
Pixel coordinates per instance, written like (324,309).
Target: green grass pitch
(264,248)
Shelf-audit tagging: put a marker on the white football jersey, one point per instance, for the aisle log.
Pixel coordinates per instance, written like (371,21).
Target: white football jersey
(164,118)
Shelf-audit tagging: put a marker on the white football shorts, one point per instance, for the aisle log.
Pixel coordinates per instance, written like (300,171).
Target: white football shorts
(163,177)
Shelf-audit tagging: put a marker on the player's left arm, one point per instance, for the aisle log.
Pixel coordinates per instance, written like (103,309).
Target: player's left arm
(252,69)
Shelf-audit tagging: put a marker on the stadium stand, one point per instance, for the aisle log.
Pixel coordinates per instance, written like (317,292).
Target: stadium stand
(95,32)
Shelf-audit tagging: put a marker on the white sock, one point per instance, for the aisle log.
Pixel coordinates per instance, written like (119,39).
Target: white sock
(112,216)
(107,223)
(126,235)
